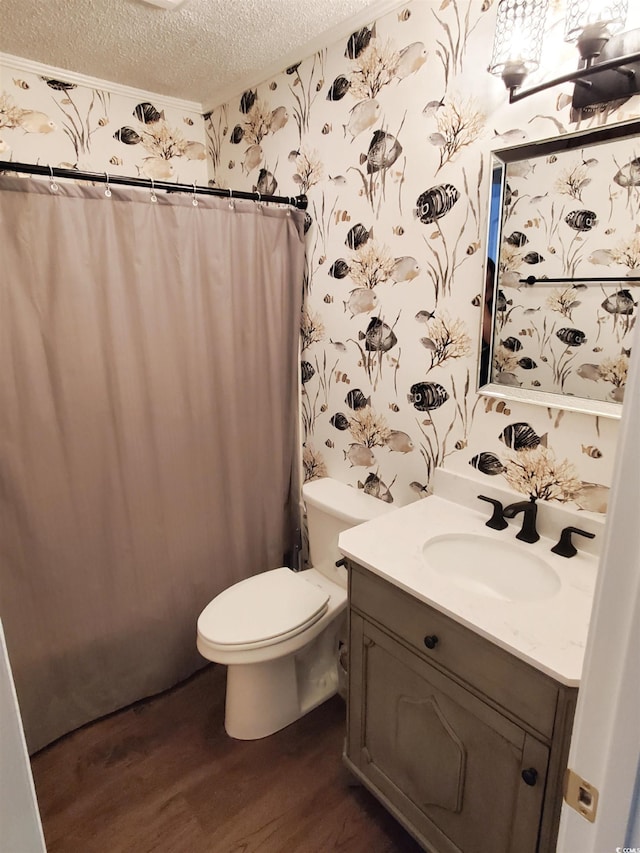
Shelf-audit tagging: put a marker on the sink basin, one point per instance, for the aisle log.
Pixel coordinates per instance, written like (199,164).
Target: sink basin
(490,568)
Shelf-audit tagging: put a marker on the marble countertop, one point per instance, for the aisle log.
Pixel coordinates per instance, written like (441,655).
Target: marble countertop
(550,634)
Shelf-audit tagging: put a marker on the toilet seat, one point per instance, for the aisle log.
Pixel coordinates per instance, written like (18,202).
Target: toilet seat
(262,610)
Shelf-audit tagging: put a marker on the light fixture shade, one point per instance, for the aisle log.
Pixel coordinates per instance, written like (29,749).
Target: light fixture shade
(588,19)
(518,38)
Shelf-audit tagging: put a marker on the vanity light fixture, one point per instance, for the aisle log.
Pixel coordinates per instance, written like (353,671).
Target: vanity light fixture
(609,65)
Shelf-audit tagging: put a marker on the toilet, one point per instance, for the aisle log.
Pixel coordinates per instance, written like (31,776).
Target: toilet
(278,631)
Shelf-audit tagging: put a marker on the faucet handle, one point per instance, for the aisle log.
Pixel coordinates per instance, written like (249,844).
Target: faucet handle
(565,547)
(496,521)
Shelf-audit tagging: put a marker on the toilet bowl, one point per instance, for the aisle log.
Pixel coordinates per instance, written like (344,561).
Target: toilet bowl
(278,632)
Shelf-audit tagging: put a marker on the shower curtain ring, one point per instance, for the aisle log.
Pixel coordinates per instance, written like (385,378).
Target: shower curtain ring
(231,202)
(259,202)
(154,198)
(107,192)
(194,200)
(52,181)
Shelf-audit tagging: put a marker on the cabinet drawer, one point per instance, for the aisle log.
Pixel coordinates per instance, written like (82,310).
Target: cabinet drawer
(517,687)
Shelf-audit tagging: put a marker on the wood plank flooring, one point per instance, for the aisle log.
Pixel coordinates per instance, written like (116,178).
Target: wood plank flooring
(162,776)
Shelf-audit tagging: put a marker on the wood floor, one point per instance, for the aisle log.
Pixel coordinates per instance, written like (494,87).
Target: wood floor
(163,776)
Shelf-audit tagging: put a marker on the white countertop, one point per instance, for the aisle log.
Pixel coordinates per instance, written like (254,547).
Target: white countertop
(550,634)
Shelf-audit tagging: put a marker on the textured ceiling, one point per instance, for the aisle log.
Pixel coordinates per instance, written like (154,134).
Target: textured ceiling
(204,51)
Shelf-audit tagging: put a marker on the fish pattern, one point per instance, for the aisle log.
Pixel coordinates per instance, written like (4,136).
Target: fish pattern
(374,167)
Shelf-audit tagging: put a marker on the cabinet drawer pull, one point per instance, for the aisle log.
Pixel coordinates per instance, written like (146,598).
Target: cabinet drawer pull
(431,641)
(530,775)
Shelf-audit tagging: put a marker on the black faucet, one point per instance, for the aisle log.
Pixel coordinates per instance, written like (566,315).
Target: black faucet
(528,532)
(496,521)
(565,546)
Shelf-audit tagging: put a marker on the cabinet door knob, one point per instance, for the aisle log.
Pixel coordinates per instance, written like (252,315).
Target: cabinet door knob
(431,641)
(530,776)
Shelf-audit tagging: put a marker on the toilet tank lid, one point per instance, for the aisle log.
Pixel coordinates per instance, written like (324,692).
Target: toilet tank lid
(345,502)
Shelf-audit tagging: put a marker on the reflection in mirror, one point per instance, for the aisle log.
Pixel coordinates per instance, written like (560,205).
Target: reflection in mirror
(560,299)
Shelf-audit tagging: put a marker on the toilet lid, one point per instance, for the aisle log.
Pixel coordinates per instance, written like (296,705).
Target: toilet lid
(262,608)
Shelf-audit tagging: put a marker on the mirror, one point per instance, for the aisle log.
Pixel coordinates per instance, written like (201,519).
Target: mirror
(563,267)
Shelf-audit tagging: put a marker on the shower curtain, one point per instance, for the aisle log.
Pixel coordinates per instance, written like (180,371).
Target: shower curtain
(148,431)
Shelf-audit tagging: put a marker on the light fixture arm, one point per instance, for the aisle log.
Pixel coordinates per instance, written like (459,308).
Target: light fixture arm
(617,64)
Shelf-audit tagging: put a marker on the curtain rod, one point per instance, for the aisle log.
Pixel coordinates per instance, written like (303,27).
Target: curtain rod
(299,201)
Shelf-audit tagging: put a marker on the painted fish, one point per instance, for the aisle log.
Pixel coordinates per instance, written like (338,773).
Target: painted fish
(379,337)
(32,121)
(339,421)
(195,151)
(127,135)
(338,345)
(266,183)
(279,117)
(157,168)
(306,371)
(432,108)
(384,150)
(360,456)
(571,337)
(520,436)
(629,174)
(517,239)
(338,88)
(520,169)
(589,371)
(356,400)
(236,134)
(410,60)
(435,202)
(426,396)
(357,236)
(502,302)
(592,497)
(419,489)
(590,450)
(620,303)
(339,268)
(404,269)
(58,85)
(533,258)
(511,136)
(358,41)
(399,441)
(424,316)
(487,463)
(512,344)
(361,301)
(374,486)
(504,377)
(362,116)
(527,363)
(247,100)
(581,220)
(147,113)
(601,256)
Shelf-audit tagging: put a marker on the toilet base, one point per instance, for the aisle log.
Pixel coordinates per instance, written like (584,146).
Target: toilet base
(263,698)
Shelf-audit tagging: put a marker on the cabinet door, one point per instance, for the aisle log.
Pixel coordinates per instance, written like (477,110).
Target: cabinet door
(449,764)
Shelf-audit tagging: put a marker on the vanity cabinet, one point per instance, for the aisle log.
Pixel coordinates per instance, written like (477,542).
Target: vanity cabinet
(465,744)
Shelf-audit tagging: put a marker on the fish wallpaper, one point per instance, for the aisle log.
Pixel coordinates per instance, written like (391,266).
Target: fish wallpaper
(59,122)
(569,215)
(389,132)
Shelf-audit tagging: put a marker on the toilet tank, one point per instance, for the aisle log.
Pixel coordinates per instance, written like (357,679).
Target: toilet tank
(331,508)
